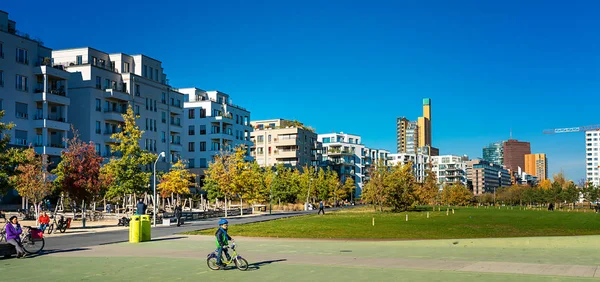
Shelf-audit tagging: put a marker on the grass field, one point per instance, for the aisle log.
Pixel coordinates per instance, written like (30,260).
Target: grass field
(464,223)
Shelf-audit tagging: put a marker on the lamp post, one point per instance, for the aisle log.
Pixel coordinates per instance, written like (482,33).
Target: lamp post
(162,154)
(271,196)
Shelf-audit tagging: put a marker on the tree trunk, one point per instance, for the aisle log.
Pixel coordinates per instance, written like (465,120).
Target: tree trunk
(225,205)
(241,206)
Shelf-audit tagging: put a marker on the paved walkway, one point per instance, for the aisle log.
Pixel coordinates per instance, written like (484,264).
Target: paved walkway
(340,254)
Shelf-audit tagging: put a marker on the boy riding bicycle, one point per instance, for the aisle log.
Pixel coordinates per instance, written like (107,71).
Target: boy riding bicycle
(222,241)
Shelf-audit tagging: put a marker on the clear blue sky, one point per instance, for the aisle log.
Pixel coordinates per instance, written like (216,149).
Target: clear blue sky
(355,66)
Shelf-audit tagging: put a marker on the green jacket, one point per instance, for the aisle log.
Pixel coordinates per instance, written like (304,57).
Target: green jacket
(222,237)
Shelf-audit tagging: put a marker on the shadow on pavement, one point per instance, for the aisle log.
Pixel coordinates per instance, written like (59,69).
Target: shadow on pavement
(257,265)
(168,239)
(57,251)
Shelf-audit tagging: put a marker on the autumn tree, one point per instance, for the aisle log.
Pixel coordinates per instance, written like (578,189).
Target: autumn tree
(10,158)
(374,192)
(222,175)
(259,192)
(129,166)
(177,181)
(400,184)
(33,181)
(345,190)
(306,183)
(456,195)
(79,172)
(426,192)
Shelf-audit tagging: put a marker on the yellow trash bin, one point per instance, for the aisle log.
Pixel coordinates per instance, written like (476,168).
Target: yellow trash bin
(135,229)
(146,228)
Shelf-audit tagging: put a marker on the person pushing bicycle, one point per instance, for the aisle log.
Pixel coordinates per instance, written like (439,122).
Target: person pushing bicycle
(223,241)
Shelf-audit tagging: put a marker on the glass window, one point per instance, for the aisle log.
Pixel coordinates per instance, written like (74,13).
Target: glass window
(98,127)
(163,98)
(191,130)
(164,117)
(1,78)
(21,83)
(191,113)
(21,110)
(202,129)
(125,67)
(202,146)
(163,137)
(191,163)
(191,146)
(203,163)
(22,56)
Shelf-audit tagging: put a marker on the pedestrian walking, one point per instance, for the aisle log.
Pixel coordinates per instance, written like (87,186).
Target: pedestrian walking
(321,207)
(178,211)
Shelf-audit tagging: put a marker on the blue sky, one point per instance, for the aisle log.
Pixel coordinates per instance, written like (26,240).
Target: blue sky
(354,66)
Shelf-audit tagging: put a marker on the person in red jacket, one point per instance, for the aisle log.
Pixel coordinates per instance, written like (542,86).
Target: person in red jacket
(44,221)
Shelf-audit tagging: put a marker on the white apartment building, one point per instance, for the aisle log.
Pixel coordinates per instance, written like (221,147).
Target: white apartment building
(212,124)
(450,169)
(33,92)
(592,146)
(419,163)
(102,86)
(280,141)
(344,154)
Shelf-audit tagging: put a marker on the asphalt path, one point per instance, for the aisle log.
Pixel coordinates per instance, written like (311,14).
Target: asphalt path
(79,241)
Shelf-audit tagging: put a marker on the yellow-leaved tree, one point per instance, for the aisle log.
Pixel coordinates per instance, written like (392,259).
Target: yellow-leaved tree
(177,181)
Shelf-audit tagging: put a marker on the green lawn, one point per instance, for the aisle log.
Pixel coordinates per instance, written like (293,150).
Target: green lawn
(465,223)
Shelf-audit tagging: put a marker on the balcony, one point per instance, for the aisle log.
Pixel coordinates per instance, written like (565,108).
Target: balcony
(281,154)
(176,147)
(285,141)
(57,96)
(339,152)
(57,124)
(221,135)
(114,115)
(115,94)
(48,150)
(52,70)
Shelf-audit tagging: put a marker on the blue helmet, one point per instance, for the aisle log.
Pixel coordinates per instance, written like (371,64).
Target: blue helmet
(223,221)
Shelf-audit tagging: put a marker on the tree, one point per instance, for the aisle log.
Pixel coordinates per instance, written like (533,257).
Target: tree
(333,184)
(306,183)
(374,191)
(222,175)
(545,184)
(79,172)
(456,195)
(426,192)
(344,190)
(259,192)
(177,181)
(400,184)
(9,158)
(33,182)
(128,169)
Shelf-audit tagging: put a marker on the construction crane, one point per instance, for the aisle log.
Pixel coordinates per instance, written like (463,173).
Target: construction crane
(572,129)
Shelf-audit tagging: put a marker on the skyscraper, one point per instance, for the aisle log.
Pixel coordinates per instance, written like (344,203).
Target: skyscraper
(412,135)
(514,154)
(591,149)
(494,153)
(536,165)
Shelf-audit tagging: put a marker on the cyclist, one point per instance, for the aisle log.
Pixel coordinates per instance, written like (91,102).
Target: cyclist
(13,235)
(222,241)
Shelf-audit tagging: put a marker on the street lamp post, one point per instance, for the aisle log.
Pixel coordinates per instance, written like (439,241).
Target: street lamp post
(162,154)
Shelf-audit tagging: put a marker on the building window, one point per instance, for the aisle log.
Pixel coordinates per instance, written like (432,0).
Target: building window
(191,130)
(98,130)
(202,146)
(156,74)
(191,146)
(98,105)
(147,104)
(137,110)
(164,117)
(1,50)
(1,105)
(154,125)
(21,83)
(163,137)
(155,109)
(137,90)
(151,72)
(146,123)
(191,163)
(144,71)
(163,98)
(98,82)
(22,56)
(191,113)
(202,129)
(203,163)
(125,67)
(21,110)
(21,137)
(1,78)
(107,83)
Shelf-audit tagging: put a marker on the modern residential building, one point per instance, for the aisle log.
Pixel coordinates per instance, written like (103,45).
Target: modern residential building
(34,93)
(536,165)
(412,135)
(212,124)
(420,163)
(344,153)
(486,177)
(592,146)
(102,86)
(450,169)
(280,141)
(514,154)
(494,153)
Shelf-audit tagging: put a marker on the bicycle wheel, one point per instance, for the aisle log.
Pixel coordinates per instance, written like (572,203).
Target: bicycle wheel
(241,263)
(63,229)
(50,228)
(33,246)
(212,263)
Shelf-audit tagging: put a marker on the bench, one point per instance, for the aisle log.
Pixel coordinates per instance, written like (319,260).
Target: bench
(7,250)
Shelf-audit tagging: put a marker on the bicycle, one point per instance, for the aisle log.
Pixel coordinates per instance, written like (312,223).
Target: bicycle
(61,225)
(33,240)
(240,262)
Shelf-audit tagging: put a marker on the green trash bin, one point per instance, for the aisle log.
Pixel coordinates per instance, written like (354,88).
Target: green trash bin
(135,234)
(146,228)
